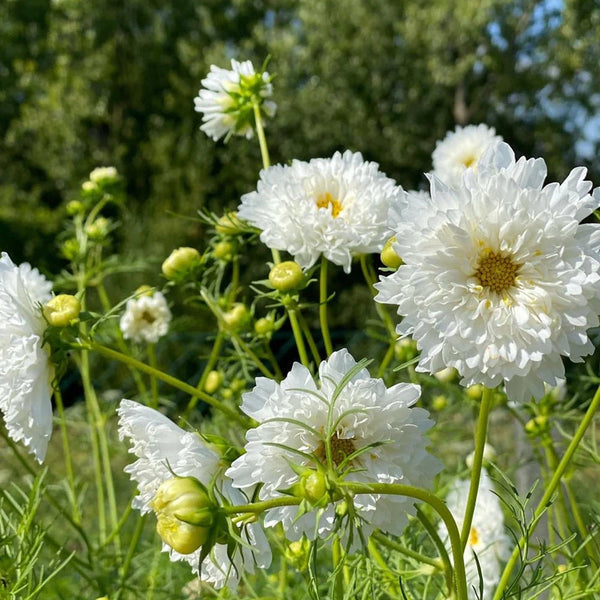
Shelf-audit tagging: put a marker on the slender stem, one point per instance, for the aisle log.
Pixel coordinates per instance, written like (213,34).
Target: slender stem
(67,452)
(264,153)
(323,307)
(480,437)
(437,540)
(562,515)
(370,279)
(337,555)
(438,505)
(309,338)
(212,361)
(550,489)
(153,380)
(259,507)
(260,365)
(382,539)
(298,337)
(386,359)
(168,379)
(135,538)
(374,553)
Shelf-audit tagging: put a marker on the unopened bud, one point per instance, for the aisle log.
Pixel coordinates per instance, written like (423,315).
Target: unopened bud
(439,402)
(236,318)
(224,251)
(264,326)
(104,175)
(62,310)
(74,207)
(89,188)
(474,391)
(286,276)
(229,224)
(181,536)
(99,229)
(70,249)
(181,262)
(314,487)
(537,426)
(214,379)
(405,349)
(144,290)
(446,375)
(388,255)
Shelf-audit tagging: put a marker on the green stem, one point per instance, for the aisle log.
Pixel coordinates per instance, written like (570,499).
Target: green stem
(480,437)
(562,515)
(323,307)
(337,555)
(460,581)
(135,538)
(554,483)
(386,359)
(153,381)
(212,361)
(309,338)
(298,337)
(437,540)
(374,553)
(382,539)
(67,452)
(371,279)
(260,507)
(168,379)
(260,365)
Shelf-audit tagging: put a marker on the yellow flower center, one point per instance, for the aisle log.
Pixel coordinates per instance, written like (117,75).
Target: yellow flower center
(496,271)
(341,448)
(326,200)
(469,161)
(148,317)
(473,537)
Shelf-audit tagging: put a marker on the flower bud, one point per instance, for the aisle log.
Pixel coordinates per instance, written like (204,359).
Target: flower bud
(405,349)
(474,391)
(224,251)
(70,249)
(104,175)
(214,379)
(182,537)
(446,375)
(74,207)
(62,310)
(537,426)
(99,229)
(286,276)
(236,318)
(388,255)
(90,188)
(297,553)
(439,402)
(181,262)
(144,290)
(264,326)
(185,499)
(229,224)
(314,487)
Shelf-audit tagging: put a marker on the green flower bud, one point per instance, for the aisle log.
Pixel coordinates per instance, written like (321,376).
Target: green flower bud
(144,290)
(286,276)
(236,318)
(99,229)
(388,255)
(229,224)
(297,553)
(104,175)
(314,487)
(224,251)
(538,426)
(439,402)
(264,326)
(214,379)
(90,188)
(70,249)
(446,375)
(74,207)
(474,391)
(185,499)
(62,310)
(405,349)
(182,537)
(181,262)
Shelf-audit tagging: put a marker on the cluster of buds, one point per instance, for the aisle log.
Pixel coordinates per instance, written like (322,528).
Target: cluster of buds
(181,263)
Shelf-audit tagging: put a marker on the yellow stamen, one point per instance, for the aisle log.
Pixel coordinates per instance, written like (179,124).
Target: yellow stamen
(496,271)
(469,161)
(325,200)
(341,448)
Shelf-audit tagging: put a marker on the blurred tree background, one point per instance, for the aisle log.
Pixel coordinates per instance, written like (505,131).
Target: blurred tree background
(84,84)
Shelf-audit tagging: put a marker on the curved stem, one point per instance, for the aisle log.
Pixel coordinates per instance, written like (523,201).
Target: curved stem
(437,540)
(168,379)
(153,381)
(259,507)
(554,483)
(480,437)
(382,539)
(323,307)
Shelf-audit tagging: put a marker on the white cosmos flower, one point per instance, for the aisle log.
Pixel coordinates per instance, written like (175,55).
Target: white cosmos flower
(25,369)
(335,207)
(297,416)
(146,319)
(487,537)
(164,450)
(461,149)
(227,96)
(500,279)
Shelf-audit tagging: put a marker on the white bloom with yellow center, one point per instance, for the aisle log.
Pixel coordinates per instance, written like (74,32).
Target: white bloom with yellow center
(25,368)
(146,319)
(461,149)
(164,450)
(487,538)
(500,279)
(226,99)
(298,418)
(335,207)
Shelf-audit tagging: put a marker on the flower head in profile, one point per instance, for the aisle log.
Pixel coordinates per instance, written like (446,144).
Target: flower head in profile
(335,207)
(461,149)
(348,422)
(487,540)
(146,318)
(227,99)
(164,451)
(25,369)
(500,279)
